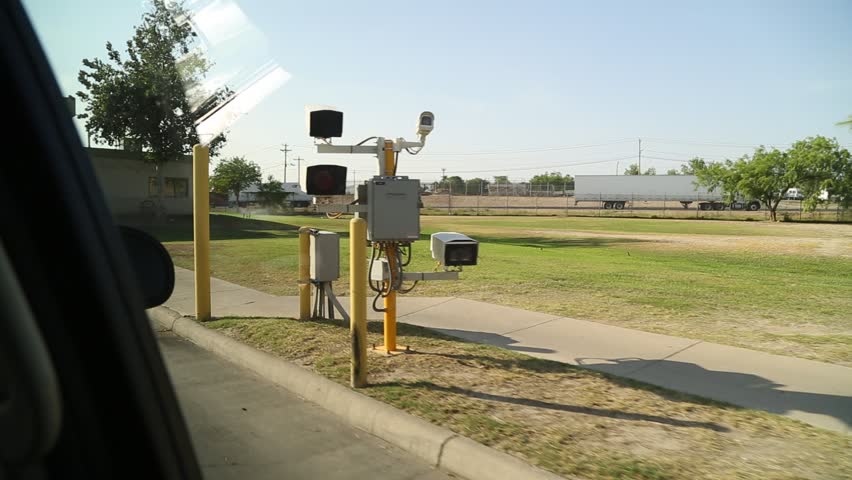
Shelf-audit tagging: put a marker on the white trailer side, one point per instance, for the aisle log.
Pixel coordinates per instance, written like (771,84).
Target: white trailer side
(641,188)
(614,191)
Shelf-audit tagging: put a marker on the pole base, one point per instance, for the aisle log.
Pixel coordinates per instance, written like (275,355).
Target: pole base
(380,349)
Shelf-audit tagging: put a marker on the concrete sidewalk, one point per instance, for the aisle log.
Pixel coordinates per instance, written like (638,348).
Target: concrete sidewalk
(813,392)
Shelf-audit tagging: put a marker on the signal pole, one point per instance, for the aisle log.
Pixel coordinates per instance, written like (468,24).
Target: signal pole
(285,150)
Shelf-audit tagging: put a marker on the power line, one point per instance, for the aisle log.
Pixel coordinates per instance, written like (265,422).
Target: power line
(713,144)
(667,159)
(536,167)
(685,154)
(526,150)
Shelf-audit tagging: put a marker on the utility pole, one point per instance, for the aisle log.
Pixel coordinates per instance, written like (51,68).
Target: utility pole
(640,156)
(298,169)
(285,150)
(616,167)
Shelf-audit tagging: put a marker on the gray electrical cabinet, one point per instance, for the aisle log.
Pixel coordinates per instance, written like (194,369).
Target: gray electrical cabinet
(393,212)
(325,256)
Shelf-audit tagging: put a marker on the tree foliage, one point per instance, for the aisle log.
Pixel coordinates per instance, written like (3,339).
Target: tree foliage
(454,184)
(696,163)
(826,171)
(814,165)
(235,175)
(476,186)
(142,95)
(271,192)
(633,169)
(501,179)
(552,178)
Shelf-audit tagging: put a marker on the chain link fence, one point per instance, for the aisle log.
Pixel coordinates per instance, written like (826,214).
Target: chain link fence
(550,200)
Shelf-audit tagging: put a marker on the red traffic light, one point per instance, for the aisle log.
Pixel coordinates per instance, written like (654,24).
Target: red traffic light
(326,180)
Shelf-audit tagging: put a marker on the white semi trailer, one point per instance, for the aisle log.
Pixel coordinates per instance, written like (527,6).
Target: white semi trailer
(615,191)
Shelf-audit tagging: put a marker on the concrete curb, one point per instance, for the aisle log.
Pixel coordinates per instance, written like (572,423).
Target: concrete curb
(436,445)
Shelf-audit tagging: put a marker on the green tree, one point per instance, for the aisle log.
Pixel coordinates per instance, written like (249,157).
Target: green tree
(633,169)
(823,166)
(476,186)
(454,184)
(235,175)
(673,171)
(813,164)
(847,122)
(141,96)
(556,179)
(696,163)
(501,179)
(271,192)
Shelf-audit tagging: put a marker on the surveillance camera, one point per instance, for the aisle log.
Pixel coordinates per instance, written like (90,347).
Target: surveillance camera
(425,123)
(453,249)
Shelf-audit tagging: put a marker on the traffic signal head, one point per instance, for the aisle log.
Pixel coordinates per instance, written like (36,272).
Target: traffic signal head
(325,123)
(326,180)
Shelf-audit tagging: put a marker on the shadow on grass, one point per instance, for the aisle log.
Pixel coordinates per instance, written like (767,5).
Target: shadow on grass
(222,227)
(751,390)
(528,402)
(510,360)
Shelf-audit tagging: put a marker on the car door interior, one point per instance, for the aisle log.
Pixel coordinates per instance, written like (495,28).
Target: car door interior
(114,411)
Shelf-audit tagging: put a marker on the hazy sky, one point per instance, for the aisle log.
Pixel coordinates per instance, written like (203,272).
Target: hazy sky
(513,84)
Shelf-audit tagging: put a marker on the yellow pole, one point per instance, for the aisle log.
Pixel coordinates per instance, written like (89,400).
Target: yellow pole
(304,273)
(390,299)
(390,307)
(358,301)
(201,229)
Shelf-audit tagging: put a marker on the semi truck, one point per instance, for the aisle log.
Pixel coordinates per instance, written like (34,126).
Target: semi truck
(615,191)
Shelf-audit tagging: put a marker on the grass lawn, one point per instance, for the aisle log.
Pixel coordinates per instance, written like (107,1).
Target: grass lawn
(780,288)
(565,419)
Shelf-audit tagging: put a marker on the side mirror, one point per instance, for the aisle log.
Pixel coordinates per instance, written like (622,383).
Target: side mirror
(152,264)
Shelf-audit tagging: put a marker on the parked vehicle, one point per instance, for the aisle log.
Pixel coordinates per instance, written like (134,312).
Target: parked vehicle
(794,194)
(615,191)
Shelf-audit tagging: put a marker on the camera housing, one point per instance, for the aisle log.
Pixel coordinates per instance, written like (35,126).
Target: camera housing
(425,123)
(452,249)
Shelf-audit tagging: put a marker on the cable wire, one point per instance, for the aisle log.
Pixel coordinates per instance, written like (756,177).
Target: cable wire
(365,140)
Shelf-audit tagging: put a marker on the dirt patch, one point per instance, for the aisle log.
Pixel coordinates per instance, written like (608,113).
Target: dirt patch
(829,247)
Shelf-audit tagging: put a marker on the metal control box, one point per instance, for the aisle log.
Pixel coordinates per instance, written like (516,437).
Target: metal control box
(392,209)
(325,256)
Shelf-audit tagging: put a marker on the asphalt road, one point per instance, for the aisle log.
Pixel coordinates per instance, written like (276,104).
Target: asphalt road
(246,428)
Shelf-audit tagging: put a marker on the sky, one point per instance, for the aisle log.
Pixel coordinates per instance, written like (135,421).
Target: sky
(517,88)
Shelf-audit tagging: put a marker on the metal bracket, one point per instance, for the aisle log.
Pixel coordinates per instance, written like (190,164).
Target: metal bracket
(380,273)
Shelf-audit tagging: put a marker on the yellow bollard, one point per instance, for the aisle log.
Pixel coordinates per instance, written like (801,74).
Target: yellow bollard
(304,273)
(358,301)
(201,229)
